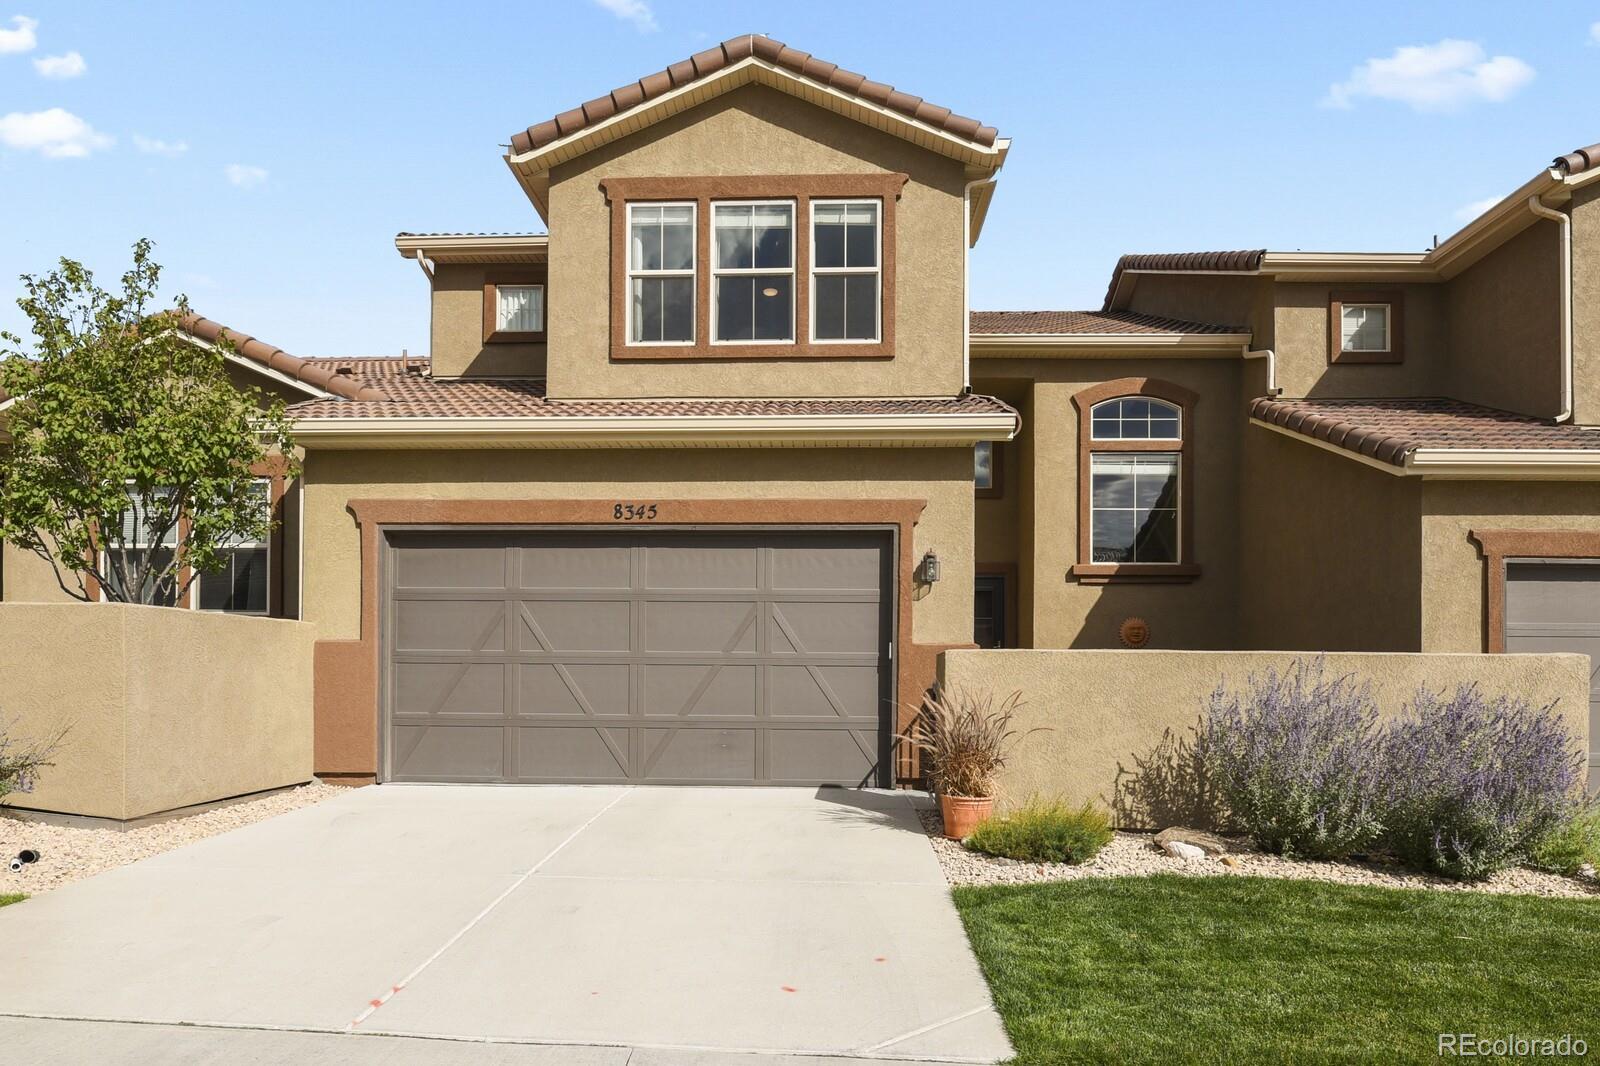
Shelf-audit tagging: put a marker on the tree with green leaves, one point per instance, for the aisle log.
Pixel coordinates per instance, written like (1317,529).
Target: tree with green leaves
(128,463)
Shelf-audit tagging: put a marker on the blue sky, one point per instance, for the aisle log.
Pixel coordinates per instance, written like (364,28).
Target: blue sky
(273,151)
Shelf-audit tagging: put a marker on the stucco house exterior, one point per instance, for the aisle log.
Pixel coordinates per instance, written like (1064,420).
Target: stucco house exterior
(696,485)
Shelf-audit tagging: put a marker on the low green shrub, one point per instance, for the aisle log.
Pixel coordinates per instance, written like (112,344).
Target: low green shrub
(1045,832)
(1571,845)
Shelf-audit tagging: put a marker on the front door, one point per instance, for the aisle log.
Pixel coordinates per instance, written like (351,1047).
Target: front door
(989,611)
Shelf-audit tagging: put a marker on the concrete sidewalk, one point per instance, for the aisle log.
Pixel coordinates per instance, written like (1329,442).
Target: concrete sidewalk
(647,925)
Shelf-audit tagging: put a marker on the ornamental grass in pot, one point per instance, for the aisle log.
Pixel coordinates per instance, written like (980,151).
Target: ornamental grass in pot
(965,738)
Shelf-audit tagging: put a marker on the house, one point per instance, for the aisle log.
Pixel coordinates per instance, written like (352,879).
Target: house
(697,485)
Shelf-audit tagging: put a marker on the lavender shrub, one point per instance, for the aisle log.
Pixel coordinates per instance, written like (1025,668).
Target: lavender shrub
(1473,783)
(1295,758)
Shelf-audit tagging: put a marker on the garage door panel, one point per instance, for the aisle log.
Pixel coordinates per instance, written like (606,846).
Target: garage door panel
(1555,607)
(668,657)
(574,753)
(720,627)
(848,693)
(574,565)
(574,625)
(448,689)
(701,568)
(700,754)
(456,752)
(699,690)
(424,625)
(581,689)
(824,628)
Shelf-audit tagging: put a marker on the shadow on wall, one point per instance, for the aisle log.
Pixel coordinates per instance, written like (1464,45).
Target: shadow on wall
(1167,785)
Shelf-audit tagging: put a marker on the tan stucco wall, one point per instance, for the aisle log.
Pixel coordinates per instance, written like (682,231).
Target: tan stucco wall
(457,332)
(1060,612)
(26,578)
(1504,326)
(1241,301)
(942,476)
(1108,709)
(1585,210)
(164,708)
(755,130)
(1330,550)
(1453,580)
(1300,337)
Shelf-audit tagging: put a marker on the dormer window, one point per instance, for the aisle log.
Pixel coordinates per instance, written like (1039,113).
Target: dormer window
(514,306)
(519,308)
(1364,327)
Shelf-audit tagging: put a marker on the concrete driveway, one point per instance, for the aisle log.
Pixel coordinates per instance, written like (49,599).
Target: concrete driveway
(660,925)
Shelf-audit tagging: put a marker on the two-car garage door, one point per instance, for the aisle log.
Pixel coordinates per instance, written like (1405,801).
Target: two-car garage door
(671,658)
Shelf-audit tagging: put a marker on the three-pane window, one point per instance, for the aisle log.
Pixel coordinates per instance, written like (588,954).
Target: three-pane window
(661,277)
(519,308)
(1133,509)
(845,281)
(752,270)
(1364,327)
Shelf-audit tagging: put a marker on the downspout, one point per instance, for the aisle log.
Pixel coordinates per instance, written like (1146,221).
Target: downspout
(1538,207)
(426,264)
(1272,366)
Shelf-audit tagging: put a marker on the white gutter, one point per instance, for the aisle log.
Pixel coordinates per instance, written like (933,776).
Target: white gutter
(1212,342)
(426,264)
(1483,464)
(1537,206)
(1272,366)
(624,430)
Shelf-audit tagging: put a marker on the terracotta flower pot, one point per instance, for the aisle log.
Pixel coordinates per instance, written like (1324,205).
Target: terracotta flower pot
(963,814)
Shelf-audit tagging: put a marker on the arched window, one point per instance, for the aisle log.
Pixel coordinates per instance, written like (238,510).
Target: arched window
(1135,481)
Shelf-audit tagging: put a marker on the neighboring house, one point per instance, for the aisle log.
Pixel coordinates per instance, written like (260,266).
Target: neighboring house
(686,491)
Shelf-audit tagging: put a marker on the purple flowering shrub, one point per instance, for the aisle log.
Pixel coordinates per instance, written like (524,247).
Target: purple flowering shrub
(1474,783)
(20,763)
(1295,757)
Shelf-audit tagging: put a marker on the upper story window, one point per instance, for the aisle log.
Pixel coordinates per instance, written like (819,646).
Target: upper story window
(519,308)
(1364,327)
(752,272)
(730,267)
(845,255)
(661,273)
(1135,481)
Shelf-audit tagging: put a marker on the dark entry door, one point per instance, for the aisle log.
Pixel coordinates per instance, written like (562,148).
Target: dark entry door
(989,611)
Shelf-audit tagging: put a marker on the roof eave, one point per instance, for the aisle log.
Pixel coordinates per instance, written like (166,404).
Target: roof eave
(1505,464)
(1120,344)
(469,249)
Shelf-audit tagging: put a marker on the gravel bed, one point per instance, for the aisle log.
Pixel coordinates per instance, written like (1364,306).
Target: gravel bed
(68,854)
(1135,854)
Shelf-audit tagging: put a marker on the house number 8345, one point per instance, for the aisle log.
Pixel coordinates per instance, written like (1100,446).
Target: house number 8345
(634,512)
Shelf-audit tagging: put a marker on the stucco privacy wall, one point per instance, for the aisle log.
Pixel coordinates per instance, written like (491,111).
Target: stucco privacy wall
(1107,710)
(457,331)
(715,139)
(164,708)
(1453,573)
(1330,550)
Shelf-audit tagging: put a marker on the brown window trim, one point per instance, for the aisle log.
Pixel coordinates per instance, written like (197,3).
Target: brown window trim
(1499,545)
(802,189)
(491,306)
(1185,569)
(1397,321)
(997,467)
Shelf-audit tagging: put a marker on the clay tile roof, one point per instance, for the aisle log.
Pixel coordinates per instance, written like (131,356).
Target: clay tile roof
(1208,262)
(1066,323)
(1578,160)
(275,358)
(733,50)
(1390,430)
(373,369)
(422,397)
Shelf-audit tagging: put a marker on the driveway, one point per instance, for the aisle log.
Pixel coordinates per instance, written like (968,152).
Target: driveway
(643,924)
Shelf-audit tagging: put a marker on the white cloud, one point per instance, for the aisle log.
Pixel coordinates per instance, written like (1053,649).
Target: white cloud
(1594,33)
(1433,77)
(635,11)
(54,134)
(20,39)
(154,146)
(62,67)
(1468,212)
(244,176)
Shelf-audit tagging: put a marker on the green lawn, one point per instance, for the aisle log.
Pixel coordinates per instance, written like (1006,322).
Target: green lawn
(1244,969)
(11,897)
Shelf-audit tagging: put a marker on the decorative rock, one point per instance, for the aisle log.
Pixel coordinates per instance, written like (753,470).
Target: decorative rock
(1209,843)
(1229,860)
(1186,852)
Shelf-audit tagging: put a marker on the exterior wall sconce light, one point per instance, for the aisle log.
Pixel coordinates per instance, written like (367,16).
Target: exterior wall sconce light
(928,569)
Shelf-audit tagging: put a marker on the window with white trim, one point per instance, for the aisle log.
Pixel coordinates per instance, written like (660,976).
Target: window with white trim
(519,308)
(752,272)
(142,537)
(241,586)
(1134,487)
(1364,327)
(661,246)
(846,256)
